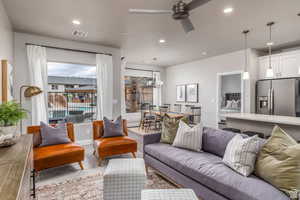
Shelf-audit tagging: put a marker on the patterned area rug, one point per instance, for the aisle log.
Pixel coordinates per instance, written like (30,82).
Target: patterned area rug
(90,187)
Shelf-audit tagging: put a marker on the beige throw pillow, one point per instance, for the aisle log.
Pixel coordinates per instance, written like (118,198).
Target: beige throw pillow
(189,138)
(240,154)
(279,162)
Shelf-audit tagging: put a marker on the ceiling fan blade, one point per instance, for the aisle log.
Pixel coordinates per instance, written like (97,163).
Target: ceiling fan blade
(187,25)
(196,3)
(145,11)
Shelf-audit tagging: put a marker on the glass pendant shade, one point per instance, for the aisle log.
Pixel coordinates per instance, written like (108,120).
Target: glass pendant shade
(269,73)
(246,76)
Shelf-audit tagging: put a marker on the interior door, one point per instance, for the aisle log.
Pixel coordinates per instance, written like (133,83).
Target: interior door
(284,92)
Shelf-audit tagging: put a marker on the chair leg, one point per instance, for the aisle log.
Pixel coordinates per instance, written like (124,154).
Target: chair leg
(133,154)
(99,161)
(81,165)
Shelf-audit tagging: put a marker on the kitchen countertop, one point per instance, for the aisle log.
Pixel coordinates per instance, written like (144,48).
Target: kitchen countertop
(276,119)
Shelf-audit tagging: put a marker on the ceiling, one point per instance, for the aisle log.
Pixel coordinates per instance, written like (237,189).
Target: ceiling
(109,23)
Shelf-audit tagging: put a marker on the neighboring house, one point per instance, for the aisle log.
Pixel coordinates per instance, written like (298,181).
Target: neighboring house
(61,83)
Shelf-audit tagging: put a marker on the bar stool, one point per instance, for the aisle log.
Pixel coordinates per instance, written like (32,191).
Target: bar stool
(177,108)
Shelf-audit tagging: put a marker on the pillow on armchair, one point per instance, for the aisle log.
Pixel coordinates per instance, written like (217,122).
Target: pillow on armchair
(54,135)
(113,128)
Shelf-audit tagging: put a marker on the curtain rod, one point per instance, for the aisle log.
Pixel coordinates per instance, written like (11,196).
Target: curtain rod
(66,49)
(146,70)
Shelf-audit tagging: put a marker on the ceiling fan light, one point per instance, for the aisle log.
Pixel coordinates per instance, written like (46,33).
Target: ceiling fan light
(269,73)
(246,76)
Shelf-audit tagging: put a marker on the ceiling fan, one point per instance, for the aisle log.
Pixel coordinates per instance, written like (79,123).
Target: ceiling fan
(180,11)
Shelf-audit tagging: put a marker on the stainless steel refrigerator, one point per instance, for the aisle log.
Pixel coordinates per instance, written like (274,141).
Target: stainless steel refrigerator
(278,97)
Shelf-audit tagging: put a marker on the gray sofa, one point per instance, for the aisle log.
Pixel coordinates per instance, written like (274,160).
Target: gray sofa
(204,171)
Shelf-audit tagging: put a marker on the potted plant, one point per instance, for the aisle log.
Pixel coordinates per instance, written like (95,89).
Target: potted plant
(10,114)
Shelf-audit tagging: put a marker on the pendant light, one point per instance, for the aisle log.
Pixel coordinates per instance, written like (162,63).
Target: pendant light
(270,72)
(246,75)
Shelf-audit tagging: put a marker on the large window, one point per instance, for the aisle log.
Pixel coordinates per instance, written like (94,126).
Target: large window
(72,92)
(138,90)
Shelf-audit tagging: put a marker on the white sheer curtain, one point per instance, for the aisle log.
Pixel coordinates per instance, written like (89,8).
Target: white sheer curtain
(104,86)
(38,74)
(157,90)
(123,103)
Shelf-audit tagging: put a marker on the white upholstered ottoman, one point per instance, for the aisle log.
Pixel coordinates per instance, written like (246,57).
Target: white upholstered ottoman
(173,194)
(124,179)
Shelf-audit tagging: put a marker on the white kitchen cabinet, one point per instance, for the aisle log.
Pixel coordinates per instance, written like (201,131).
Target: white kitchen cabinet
(284,65)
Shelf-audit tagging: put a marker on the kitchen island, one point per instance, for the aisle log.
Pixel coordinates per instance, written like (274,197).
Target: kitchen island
(263,123)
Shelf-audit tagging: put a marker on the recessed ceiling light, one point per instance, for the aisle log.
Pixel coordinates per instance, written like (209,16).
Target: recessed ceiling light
(270,43)
(228,10)
(162,41)
(76,22)
(204,53)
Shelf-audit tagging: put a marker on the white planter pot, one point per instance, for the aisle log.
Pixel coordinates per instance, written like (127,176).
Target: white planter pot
(9,130)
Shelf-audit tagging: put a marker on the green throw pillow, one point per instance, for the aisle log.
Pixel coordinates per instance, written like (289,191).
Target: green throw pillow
(169,128)
(278,162)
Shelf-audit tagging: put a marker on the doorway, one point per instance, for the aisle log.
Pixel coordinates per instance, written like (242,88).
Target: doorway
(230,94)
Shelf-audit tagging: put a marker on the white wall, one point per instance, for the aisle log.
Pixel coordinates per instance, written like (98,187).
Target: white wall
(6,39)
(6,36)
(205,73)
(21,68)
(231,83)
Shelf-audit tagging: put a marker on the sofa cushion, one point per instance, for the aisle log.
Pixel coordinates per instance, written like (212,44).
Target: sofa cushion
(278,162)
(241,153)
(209,170)
(49,156)
(189,138)
(115,145)
(215,141)
(169,128)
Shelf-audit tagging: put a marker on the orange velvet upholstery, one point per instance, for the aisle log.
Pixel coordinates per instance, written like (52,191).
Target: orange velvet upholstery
(112,146)
(56,155)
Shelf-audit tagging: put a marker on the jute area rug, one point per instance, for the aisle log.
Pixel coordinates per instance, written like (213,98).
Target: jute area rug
(90,187)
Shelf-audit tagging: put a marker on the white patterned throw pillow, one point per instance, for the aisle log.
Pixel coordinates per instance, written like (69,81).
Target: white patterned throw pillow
(240,154)
(189,138)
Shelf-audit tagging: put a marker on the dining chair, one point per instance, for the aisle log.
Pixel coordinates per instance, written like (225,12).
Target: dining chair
(167,105)
(195,116)
(150,118)
(187,109)
(177,108)
(159,118)
(145,107)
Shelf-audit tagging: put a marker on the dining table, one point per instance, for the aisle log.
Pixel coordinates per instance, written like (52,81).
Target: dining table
(170,114)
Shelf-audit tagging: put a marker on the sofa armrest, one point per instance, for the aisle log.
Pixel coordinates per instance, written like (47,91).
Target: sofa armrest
(151,139)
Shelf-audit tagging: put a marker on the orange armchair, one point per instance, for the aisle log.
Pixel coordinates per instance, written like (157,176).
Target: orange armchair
(105,147)
(55,155)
